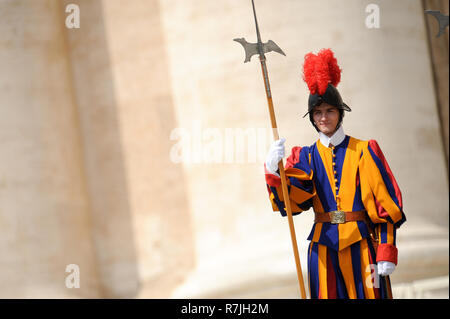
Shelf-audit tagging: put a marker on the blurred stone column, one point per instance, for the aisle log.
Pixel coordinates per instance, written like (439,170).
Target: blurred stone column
(438,47)
(44,208)
(141,222)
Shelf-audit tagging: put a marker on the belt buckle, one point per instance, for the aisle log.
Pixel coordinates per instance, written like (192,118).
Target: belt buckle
(337,217)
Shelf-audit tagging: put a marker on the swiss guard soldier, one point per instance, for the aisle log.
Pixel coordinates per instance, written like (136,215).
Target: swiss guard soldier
(356,200)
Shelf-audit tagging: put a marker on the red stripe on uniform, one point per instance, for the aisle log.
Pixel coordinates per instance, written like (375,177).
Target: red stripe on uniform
(271,180)
(294,157)
(376,149)
(331,278)
(380,210)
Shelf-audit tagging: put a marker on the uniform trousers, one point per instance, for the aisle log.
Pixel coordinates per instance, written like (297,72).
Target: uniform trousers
(350,273)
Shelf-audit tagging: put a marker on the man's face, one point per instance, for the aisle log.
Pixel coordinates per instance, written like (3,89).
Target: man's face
(326,118)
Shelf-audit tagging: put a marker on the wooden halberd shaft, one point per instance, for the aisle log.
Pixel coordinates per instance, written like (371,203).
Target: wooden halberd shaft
(283,178)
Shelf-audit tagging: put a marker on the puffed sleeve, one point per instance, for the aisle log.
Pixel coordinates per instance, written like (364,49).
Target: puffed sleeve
(299,182)
(382,198)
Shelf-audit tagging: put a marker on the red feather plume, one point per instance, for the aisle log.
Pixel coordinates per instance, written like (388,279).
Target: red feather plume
(321,69)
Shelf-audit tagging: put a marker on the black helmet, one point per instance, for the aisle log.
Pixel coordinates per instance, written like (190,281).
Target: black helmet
(331,96)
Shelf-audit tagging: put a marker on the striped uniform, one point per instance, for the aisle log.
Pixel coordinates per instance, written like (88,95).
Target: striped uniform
(351,176)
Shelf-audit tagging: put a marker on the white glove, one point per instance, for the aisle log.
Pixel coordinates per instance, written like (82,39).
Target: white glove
(274,156)
(385,268)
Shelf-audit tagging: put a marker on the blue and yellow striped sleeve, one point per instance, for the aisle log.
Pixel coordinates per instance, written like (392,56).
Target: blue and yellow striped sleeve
(382,198)
(299,182)
(387,249)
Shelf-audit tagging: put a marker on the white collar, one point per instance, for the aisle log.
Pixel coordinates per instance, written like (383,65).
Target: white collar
(337,138)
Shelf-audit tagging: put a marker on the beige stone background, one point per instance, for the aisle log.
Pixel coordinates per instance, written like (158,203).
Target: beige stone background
(133,145)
